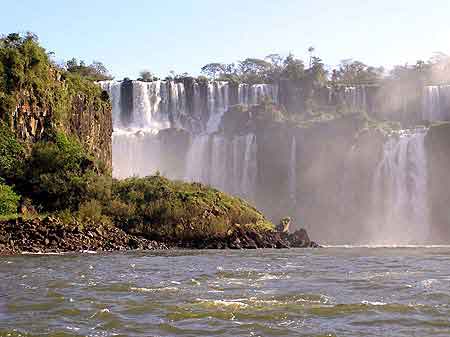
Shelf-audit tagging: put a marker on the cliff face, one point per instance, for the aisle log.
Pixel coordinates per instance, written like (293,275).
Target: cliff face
(437,145)
(85,115)
(92,124)
(38,98)
(334,170)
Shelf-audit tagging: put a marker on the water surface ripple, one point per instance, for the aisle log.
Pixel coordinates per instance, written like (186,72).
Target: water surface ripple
(326,292)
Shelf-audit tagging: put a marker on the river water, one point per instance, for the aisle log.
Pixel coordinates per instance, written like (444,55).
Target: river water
(324,292)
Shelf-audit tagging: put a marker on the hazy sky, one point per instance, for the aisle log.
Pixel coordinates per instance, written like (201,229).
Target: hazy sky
(182,35)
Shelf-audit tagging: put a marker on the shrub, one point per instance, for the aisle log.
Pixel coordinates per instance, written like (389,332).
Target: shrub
(11,153)
(157,207)
(60,175)
(8,200)
(91,210)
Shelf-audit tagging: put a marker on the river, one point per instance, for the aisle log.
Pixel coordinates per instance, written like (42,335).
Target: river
(335,291)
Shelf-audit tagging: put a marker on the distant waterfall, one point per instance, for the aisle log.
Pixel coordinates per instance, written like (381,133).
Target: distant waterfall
(292,176)
(142,109)
(352,98)
(226,163)
(400,191)
(436,103)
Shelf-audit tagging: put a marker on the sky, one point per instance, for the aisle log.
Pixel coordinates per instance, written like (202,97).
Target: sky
(183,35)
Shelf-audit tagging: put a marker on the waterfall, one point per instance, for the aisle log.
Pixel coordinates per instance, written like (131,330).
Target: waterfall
(400,191)
(292,174)
(229,164)
(142,149)
(250,167)
(354,98)
(142,109)
(218,97)
(197,162)
(436,103)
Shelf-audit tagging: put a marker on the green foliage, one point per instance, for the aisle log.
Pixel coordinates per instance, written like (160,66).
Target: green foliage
(27,73)
(94,72)
(60,175)
(8,200)
(25,67)
(157,207)
(92,211)
(352,72)
(147,76)
(11,153)
(293,69)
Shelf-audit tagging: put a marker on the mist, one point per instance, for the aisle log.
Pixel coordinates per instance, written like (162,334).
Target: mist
(346,154)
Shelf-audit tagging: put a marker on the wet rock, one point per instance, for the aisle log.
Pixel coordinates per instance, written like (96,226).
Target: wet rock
(50,234)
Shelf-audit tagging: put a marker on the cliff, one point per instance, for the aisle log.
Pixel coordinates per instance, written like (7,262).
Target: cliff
(37,99)
(87,115)
(438,158)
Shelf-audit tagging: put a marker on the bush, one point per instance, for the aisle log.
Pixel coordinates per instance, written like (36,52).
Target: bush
(11,153)
(60,175)
(9,200)
(157,207)
(91,211)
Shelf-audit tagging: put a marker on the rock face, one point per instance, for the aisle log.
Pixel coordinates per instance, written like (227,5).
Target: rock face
(86,118)
(437,143)
(329,170)
(93,126)
(51,235)
(244,237)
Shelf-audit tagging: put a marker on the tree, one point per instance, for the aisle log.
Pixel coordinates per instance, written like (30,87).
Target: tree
(214,70)
(294,69)
(311,52)
(253,70)
(276,66)
(317,72)
(95,71)
(147,76)
(352,72)
(8,199)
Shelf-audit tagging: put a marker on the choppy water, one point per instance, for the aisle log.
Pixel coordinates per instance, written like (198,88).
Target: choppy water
(326,292)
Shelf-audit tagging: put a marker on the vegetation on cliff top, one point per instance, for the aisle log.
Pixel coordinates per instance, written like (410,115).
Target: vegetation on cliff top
(28,74)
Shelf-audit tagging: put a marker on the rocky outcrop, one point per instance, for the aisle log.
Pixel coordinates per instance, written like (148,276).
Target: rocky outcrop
(87,115)
(437,142)
(52,235)
(246,237)
(93,126)
(324,163)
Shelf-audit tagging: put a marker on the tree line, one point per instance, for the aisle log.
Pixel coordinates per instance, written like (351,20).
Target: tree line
(275,67)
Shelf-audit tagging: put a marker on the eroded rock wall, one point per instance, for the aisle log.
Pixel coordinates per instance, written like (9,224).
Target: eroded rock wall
(83,117)
(438,152)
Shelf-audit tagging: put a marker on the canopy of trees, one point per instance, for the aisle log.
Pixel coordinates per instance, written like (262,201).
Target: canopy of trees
(349,72)
(95,71)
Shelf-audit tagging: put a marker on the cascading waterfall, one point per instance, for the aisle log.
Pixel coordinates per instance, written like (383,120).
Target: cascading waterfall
(355,98)
(400,191)
(226,163)
(145,114)
(436,103)
(142,109)
(292,177)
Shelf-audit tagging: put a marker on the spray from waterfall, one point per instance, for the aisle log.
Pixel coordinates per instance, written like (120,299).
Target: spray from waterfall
(400,191)
(436,103)
(141,110)
(292,177)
